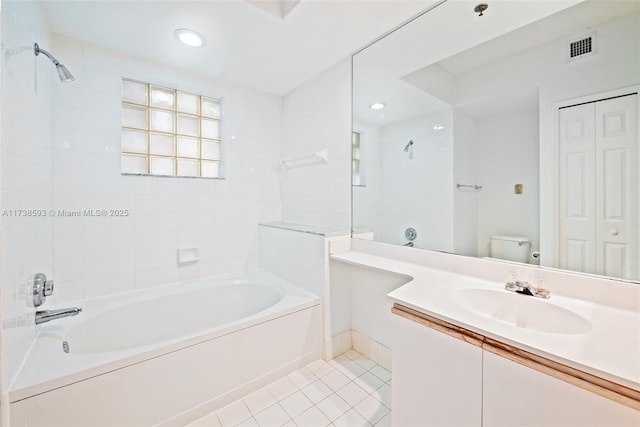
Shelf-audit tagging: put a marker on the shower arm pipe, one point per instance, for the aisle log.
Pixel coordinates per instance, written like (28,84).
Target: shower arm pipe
(38,51)
(63,73)
(317,157)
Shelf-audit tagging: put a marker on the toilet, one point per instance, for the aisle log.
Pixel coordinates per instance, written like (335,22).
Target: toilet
(510,248)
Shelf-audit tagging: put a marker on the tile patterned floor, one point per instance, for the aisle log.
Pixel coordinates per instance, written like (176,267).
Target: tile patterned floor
(350,390)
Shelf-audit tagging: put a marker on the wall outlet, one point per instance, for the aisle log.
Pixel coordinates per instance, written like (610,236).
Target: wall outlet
(517,189)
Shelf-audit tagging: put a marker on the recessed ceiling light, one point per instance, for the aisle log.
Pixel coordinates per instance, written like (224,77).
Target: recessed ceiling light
(189,37)
(377,106)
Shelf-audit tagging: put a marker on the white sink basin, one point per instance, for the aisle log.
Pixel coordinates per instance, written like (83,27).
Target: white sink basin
(522,311)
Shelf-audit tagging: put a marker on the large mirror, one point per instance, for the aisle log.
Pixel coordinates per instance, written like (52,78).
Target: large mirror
(510,135)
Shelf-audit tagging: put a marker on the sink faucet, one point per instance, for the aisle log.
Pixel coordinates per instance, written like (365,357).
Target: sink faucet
(527,288)
(48,315)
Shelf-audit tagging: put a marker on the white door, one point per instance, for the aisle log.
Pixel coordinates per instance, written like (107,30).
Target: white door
(598,221)
(617,187)
(577,228)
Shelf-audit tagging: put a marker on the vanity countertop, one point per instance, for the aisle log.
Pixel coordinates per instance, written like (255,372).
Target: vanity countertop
(609,349)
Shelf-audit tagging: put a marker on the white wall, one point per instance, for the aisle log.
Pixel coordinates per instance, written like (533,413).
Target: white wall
(418,192)
(359,301)
(493,128)
(367,198)
(300,255)
(370,306)
(465,170)
(616,65)
(98,256)
(318,115)
(25,174)
(296,256)
(544,70)
(508,155)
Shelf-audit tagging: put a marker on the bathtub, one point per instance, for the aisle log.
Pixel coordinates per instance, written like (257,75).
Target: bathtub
(166,355)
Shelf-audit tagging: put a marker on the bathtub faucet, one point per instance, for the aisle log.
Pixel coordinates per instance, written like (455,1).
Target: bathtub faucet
(47,315)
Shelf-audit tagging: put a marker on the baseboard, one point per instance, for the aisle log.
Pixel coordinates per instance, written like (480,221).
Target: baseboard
(352,339)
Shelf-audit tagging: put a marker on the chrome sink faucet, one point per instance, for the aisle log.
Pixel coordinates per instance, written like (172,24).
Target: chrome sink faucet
(525,288)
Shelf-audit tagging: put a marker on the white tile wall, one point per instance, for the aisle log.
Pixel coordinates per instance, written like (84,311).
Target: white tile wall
(300,256)
(297,257)
(515,136)
(359,303)
(465,171)
(367,199)
(98,256)
(406,201)
(372,352)
(24,174)
(317,115)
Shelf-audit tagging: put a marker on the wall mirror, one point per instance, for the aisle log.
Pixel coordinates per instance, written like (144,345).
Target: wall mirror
(510,135)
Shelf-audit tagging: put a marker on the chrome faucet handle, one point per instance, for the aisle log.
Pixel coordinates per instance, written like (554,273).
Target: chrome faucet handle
(527,288)
(42,288)
(516,286)
(540,292)
(512,286)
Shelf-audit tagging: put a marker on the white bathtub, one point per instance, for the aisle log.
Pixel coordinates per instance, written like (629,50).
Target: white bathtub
(166,355)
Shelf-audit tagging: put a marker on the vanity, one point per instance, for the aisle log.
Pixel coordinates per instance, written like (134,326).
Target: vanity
(466,351)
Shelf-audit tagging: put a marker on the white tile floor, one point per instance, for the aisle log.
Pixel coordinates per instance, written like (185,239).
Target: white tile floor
(350,390)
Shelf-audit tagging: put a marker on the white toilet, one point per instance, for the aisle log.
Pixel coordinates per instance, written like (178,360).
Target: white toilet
(510,248)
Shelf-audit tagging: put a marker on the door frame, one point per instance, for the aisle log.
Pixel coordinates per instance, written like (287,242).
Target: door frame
(550,172)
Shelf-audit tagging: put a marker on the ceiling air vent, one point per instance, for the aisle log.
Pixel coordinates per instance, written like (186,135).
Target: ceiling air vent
(581,46)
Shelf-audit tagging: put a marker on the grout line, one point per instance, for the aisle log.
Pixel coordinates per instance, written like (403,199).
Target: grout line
(336,366)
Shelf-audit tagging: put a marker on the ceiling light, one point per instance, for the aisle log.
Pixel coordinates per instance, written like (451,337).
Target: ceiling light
(438,127)
(377,106)
(189,37)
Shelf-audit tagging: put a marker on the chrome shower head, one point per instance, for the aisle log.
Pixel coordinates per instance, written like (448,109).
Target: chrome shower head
(409,149)
(63,72)
(406,147)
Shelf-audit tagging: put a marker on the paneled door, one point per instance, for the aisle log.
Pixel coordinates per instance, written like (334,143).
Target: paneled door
(598,197)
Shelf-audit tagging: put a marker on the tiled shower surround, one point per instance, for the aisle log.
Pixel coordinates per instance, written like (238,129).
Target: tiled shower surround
(95,256)
(25,178)
(70,162)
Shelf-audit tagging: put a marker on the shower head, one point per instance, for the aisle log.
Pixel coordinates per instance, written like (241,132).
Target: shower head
(63,72)
(409,145)
(409,149)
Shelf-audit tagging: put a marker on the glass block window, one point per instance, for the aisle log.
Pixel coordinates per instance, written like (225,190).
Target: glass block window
(167,132)
(355,153)
(355,159)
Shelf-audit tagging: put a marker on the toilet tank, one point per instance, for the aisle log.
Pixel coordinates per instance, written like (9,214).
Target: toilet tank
(511,248)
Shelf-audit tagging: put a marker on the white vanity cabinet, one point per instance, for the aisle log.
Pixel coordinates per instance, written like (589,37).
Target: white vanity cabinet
(446,375)
(437,379)
(515,395)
